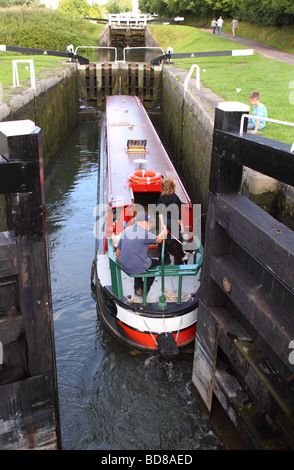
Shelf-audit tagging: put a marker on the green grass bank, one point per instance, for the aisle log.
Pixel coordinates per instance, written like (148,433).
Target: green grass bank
(41,29)
(51,29)
(233,78)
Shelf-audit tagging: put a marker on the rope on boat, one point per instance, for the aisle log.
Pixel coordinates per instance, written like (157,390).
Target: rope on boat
(179,329)
(170,294)
(150,332)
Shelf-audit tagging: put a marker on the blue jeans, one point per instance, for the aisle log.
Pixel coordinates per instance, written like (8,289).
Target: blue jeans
(219,30)
(138,281)
(250,125)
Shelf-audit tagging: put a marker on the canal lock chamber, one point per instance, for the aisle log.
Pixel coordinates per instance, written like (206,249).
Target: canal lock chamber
(184,121)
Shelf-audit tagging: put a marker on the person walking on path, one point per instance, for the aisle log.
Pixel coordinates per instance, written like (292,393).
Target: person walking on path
(259,110)
(213,25)
(220,22)
(235,26)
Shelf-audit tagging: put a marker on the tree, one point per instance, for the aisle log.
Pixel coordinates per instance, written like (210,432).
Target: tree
(265,12)
(11,3)
(200,8)
(78,8)
(118,6)
(154,6)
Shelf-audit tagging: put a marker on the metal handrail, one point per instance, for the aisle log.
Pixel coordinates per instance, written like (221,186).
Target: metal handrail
(99,47)
(189,76)
(130,48)
(162,305)
(15,72)
(178,271)
(285,123)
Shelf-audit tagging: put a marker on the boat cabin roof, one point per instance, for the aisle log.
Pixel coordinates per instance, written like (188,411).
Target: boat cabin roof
(133,144)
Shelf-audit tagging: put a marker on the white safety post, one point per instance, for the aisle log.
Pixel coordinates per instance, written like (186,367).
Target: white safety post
(15,72)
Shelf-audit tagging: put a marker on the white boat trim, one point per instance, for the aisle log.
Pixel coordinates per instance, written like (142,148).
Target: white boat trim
(158,324)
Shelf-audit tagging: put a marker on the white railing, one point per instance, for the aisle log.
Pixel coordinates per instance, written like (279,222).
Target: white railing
(15,72)
(99,47)
(246,116)
(132,48)
(186,82)
(129,19)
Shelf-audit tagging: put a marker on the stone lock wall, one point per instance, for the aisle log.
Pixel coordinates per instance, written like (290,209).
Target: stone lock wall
(53,108)
(187,126)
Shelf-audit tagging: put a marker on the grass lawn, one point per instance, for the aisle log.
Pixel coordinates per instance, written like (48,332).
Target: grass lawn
(273,80)
(44,67)
(42,29)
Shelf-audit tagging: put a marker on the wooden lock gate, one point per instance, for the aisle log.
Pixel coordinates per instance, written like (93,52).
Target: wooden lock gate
(29,415)
(245,327)
(120,36)
(99,80)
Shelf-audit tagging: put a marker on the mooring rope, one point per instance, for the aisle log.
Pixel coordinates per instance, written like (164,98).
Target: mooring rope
(150,332)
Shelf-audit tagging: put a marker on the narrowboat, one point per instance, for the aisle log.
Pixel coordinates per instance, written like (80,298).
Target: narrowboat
(133,163)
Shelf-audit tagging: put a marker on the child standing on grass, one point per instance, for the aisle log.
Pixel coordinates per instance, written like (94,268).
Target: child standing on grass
(259,110)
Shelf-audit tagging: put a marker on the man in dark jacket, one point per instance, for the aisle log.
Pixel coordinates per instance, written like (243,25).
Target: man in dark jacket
(132,250)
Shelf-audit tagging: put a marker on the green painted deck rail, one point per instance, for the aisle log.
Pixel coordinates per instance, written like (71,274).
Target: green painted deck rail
(162,271)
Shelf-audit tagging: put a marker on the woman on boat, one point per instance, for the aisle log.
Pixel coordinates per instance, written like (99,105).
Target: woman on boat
(169,208)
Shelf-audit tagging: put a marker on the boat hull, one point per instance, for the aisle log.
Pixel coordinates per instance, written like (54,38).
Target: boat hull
(128,139)
(139,328)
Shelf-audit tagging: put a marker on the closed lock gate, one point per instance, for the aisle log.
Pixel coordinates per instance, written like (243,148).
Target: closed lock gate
(29,416)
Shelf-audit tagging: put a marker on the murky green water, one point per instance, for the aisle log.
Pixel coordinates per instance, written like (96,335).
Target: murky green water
(108,398)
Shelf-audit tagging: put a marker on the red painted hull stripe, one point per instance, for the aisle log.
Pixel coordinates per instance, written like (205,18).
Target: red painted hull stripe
(147,340)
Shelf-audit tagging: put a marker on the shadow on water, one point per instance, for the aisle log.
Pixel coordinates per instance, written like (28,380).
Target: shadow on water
(109,398)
